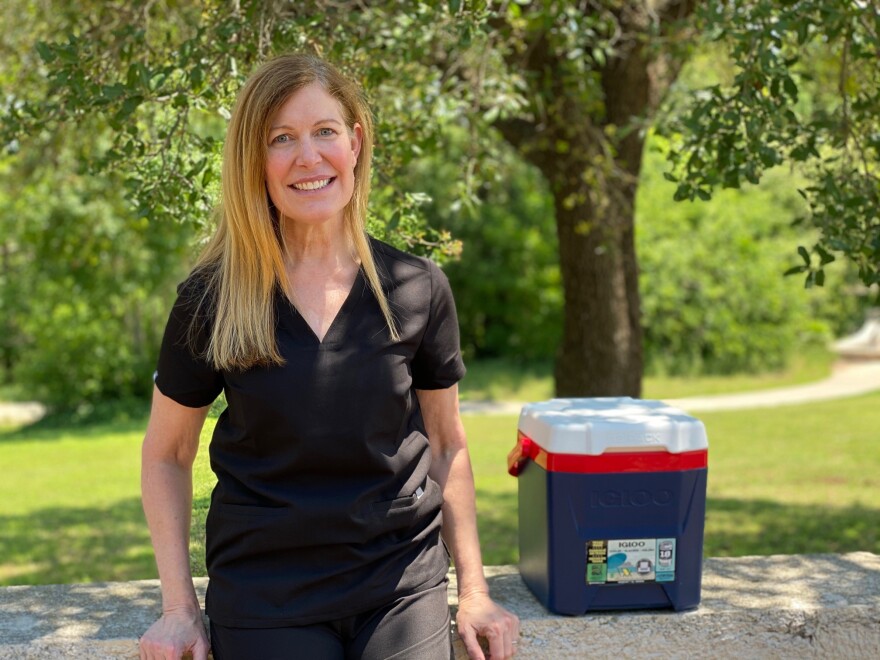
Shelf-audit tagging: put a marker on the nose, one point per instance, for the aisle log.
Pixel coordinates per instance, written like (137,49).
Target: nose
(307,155)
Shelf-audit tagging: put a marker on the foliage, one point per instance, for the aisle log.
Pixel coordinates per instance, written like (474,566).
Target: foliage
(714,299)
(85,283)
(163,79)
(806,90)
(506,281)
(148,87)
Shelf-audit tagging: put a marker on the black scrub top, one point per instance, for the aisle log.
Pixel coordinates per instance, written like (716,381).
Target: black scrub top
(323,506)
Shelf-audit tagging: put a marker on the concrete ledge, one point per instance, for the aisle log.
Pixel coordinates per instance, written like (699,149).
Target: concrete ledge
(800,607)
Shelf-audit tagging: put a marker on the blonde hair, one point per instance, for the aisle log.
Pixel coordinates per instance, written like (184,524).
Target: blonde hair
(244,261)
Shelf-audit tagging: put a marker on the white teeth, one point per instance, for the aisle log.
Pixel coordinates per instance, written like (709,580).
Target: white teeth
(312,185)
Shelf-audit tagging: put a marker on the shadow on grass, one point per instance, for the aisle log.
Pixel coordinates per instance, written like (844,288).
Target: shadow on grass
(483,377)
(62,545)
(93,422)
(734,528)
(761,527)
(498,523)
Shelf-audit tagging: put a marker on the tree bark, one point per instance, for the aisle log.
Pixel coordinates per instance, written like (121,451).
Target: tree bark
(601,351)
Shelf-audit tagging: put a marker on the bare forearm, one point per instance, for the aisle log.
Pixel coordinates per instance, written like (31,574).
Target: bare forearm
(478,615)
(166,488)
(453,472)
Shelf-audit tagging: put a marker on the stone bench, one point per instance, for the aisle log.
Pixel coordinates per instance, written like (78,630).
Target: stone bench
(812,606)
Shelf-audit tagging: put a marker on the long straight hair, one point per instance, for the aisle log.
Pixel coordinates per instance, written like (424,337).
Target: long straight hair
(244,261)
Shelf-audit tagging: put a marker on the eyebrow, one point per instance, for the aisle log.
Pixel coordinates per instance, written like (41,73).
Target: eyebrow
(317,123)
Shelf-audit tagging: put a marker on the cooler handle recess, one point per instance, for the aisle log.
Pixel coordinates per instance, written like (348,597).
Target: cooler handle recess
(524,450)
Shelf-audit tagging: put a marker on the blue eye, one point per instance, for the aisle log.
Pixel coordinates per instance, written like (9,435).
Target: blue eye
(281,139)
(326,132)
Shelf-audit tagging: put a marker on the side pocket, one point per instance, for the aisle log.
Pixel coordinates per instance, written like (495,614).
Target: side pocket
(399,504)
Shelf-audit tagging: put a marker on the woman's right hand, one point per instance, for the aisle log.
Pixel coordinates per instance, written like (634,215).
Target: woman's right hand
(177,634)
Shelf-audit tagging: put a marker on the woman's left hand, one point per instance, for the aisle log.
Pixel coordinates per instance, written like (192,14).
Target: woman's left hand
(479,616)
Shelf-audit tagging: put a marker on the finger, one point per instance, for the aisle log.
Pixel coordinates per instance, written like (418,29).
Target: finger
(200,650)
(514,628)
(494,634)
(509,645)
(471,644)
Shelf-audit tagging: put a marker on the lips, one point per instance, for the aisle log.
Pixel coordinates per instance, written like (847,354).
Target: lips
(313,184)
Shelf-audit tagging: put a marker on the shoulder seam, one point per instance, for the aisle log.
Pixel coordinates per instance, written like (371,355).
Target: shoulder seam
(399,255)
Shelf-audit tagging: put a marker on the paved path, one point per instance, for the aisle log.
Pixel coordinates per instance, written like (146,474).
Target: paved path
(20,413)
(845,381)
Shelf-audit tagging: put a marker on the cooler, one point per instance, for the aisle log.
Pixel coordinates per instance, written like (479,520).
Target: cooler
(612,501)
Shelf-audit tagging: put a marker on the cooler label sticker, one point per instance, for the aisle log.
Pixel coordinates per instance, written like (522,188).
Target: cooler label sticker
(632,560)
(597,562)
(620,561)
(665,560)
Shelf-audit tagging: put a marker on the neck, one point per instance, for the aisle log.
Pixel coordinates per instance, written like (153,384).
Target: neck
(324,246)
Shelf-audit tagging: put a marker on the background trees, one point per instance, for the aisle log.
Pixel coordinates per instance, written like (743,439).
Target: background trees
(137,96)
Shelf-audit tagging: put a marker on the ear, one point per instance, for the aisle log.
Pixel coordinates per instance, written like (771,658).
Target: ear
(357,137)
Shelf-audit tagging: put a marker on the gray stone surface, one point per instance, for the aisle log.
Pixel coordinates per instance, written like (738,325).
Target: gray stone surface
(817,606)
(781,606)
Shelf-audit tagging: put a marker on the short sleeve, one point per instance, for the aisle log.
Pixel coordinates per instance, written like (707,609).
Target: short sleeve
(182,373)
(437,363)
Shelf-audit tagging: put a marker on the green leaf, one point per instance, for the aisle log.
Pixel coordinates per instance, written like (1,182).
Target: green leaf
(825,257)
(196,76)
(804,254)
(45,51)
(790,87)
(112,92)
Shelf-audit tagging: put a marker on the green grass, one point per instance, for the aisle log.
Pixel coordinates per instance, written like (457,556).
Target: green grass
(786,480)
(70,504)
(505,380)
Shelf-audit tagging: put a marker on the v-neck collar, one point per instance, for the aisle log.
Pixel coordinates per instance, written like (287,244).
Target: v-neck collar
(338,326)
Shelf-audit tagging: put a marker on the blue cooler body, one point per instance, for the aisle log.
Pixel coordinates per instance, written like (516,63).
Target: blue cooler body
(612,500)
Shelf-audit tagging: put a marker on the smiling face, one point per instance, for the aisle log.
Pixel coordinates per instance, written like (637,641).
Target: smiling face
(310,157)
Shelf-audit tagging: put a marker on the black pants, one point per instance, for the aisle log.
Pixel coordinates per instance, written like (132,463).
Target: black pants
(414,627)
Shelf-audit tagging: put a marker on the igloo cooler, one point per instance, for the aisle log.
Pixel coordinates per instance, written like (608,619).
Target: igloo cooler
(612,501)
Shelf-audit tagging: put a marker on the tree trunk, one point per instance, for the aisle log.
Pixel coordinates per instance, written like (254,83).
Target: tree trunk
(601,351)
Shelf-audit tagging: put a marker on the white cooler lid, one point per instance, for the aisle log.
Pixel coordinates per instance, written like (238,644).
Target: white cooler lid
(599,425)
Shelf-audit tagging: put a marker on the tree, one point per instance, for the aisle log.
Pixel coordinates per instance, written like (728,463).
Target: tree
(735,130)
(595,73)
(573,85)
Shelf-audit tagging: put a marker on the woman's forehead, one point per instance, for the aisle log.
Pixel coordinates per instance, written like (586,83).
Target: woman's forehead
(307,106)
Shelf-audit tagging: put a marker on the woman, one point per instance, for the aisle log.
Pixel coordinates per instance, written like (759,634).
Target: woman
(339,359)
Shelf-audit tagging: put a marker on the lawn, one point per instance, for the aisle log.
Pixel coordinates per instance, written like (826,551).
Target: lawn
(506,380)
(786,480)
